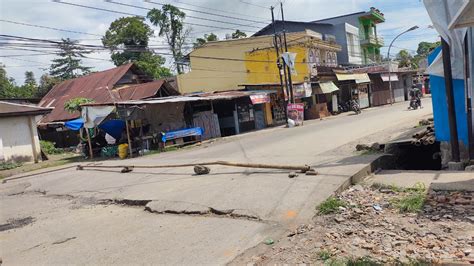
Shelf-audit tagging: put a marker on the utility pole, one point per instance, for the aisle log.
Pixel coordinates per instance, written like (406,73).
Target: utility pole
(290,82)
(275,42)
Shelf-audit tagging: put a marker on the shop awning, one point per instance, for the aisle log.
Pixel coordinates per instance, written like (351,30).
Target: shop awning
(385,77)
(358,77)
(345,76)
(326,87)
(362,78)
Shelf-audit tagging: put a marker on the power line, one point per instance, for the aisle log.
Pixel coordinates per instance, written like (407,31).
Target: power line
(215,9)
(252,4)
(193,17)
(208,13)
(46,27)
(135,15)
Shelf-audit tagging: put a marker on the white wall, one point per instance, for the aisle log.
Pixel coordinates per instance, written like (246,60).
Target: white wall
(17,140)
(353,45)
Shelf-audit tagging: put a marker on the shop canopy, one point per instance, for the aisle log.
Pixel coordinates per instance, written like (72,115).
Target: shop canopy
(327,87)
(357,77)
(385,77)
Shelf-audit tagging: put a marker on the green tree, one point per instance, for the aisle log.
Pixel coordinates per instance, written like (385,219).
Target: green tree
(127,38)
(7,85)
(9,89)
(238,34)
(424,48)
(405,59)
(170,20)
(30,78)
(74,104)
(211,37)
(46,83)
(69,65)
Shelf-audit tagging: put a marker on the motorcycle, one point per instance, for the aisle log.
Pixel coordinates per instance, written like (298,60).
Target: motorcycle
(355,106)
(414,103)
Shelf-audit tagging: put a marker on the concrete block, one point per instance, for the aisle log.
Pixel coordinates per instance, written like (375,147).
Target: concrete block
(456,166)
(469,168)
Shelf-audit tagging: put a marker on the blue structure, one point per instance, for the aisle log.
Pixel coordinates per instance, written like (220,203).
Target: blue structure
(440,112)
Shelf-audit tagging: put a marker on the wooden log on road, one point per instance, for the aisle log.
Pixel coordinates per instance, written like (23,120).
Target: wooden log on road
(301,168)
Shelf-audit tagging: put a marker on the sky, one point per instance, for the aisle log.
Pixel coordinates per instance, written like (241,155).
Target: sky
(246,15)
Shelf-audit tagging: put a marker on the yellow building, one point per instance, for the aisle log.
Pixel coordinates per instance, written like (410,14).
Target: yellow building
(224,65)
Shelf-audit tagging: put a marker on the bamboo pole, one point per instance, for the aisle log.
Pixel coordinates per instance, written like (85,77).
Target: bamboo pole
(301,168)
(128,139)
(91,153)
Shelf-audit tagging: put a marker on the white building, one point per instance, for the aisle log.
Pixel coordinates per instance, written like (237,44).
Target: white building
(19,140)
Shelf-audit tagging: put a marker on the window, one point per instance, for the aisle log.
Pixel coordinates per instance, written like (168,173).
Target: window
(351,44)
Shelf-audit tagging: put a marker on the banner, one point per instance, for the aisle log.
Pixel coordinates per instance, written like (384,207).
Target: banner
(296,112)
(260,98)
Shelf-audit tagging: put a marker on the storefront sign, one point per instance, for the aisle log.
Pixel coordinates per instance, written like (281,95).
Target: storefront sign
(260,98)
(296,112)
(302,90)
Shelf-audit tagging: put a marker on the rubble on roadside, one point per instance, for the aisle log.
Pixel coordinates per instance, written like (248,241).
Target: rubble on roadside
(371,226)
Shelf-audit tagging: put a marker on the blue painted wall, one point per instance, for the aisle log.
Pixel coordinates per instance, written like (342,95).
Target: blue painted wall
(440,106)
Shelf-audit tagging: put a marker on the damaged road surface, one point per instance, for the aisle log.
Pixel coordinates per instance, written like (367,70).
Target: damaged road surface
(170,216)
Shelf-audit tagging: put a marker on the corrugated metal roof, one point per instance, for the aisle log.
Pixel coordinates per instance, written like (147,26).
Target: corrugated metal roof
(140,91)
(15,109)
(97,86)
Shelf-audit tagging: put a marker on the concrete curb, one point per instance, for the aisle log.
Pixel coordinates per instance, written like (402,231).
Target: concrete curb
(366,171)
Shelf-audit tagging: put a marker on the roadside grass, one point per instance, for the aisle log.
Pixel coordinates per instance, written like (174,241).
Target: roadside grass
(324,255)
(411,200)
(49,147)
(9,165)
(331,205)
(54,161)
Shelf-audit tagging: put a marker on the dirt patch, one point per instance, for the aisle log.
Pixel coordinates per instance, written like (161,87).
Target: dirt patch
(16,223)
(383,225)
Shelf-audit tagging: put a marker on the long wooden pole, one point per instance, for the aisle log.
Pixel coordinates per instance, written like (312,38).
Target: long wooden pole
(247,165)
(128,138)
(91,153)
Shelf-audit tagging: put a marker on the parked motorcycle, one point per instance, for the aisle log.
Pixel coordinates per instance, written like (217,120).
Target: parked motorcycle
(355,106)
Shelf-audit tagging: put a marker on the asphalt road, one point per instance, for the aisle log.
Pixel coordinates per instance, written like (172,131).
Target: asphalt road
(98,216)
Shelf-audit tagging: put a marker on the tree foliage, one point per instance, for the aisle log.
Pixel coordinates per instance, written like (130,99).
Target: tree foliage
(9,89)
(170,21)
(69,64)
(211,37)
(30,78)
(424,48)
(128,38)
(238,34)
(74,104)
(405,58)
(46,83)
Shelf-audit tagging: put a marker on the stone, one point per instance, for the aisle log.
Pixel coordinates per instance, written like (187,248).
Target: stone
(467,251)
(358,211)
(292,175)
(339,219)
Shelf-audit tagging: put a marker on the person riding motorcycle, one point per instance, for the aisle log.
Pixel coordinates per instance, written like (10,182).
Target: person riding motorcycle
(416,94)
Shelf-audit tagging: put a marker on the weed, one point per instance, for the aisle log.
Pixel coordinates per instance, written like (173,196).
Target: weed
(331,205)
(9,165)
(49,148)
(413,201)
(324,255)
(364,261)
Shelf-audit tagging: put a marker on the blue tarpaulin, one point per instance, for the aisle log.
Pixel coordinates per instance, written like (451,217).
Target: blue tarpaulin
(75,124)
(195,131)
(113,127)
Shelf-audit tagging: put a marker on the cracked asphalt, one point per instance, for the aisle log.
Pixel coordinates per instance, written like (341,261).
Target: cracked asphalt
(170,216)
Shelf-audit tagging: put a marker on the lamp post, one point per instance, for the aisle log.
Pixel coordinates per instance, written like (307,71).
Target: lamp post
(390,62)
